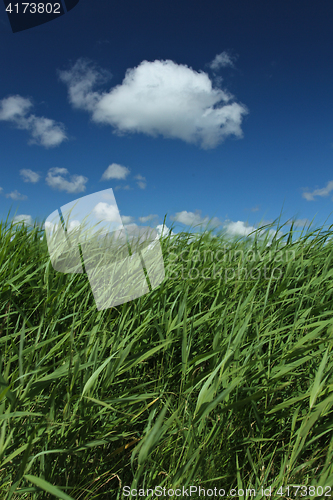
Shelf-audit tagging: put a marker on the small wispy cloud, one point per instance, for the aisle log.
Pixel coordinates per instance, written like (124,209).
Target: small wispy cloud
(115,171)
(81,78)
(55,179)
(319,192)
(15,195)
(221,61)
(255,209)
(141,181)
(29,175)
(148,218)
(44,132)
(103,42)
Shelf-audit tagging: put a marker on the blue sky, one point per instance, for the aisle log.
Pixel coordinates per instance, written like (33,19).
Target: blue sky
(218,109)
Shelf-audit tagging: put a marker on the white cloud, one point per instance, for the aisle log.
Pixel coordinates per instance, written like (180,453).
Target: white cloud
(221,61)
(159,98)
(81,79)
(232,229)
(241,228)
(141,181)
(238,228)
(44,132)
(29,176)
(147,218)
(115,171)
(319,192)
(15,195)
(25,219)
(50,226)
(163,231)
(194,219)
(14,108)
(127,219)
(106,212)
(73,224)
(57,181)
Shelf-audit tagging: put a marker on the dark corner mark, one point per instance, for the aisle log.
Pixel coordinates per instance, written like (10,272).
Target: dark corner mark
(25,15)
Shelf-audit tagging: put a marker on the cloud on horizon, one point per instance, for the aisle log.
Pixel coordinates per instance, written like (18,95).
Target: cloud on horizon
(158,98)
(231,228)
(26,219)
(194,219)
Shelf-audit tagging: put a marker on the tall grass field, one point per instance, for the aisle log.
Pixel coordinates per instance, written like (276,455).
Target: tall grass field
(221,377)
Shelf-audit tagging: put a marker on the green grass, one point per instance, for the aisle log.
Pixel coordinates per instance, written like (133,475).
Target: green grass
(213,382)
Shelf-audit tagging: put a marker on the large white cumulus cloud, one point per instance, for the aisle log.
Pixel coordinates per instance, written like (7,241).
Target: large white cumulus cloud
(158,98)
